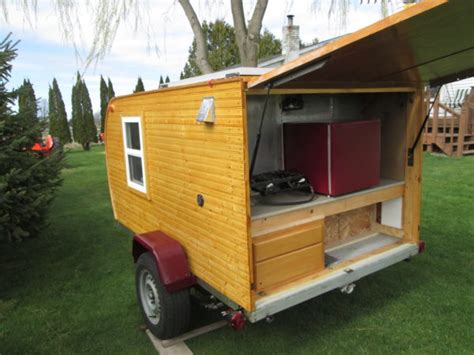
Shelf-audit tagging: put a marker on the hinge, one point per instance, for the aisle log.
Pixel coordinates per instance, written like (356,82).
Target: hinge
(411,157)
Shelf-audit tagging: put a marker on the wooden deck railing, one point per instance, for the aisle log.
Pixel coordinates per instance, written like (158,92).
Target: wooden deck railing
(451,131)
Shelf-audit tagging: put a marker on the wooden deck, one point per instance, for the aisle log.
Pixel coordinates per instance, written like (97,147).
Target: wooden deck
(449,131)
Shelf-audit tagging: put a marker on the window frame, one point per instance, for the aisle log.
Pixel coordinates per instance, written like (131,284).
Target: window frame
(139,153)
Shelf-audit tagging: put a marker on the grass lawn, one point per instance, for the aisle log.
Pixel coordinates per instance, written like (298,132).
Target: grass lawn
(72,289)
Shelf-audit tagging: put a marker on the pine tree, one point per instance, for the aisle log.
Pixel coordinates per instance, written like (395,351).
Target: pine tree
(161,80)
(104,101)
(91,129)
(139,87)
(77,115)
(27,182)
(110,91)
(83,126)
(52,117)
(27,104)
(58,123)
(167,80)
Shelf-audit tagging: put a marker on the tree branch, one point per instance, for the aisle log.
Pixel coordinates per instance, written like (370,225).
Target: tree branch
(240,28)
(201,42)
(247,37)
(255,24)
(239,18)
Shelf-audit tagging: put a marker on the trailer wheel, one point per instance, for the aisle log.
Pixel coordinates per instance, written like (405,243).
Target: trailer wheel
(166,314)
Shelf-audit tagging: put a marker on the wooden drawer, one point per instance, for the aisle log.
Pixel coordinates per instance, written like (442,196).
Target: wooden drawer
(291,239)
(286,267)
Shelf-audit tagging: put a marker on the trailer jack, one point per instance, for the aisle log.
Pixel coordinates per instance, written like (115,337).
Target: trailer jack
(348,289)
(236,319)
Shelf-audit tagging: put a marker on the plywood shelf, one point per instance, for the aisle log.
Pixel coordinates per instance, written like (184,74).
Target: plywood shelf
(267,218)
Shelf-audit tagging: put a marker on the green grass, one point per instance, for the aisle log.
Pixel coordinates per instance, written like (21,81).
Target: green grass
(71,290)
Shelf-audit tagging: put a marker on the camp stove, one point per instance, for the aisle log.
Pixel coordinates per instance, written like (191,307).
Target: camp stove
(274,182)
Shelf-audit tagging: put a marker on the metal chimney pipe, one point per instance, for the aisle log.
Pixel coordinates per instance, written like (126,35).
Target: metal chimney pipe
(290,20)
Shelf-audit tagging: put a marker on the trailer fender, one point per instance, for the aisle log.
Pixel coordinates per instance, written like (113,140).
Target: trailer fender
(170,258)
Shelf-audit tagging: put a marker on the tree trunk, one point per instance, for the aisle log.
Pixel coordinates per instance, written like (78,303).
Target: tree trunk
(201,42)
(247,37)
(86,146)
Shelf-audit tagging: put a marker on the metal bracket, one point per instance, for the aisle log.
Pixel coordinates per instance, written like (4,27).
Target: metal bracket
(411,157)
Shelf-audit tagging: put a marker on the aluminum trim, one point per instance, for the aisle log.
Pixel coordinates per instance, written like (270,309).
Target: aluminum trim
(300,293)
(240,71)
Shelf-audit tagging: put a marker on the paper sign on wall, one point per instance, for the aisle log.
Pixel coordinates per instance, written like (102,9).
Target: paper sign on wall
(207,112)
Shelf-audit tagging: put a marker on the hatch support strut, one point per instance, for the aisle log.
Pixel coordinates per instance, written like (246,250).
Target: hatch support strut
(411,150)
(259,134)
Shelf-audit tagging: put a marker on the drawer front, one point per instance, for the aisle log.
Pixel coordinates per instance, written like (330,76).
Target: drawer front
(274,271)
(288,240)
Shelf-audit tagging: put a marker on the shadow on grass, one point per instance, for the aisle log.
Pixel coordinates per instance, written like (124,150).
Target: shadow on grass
(313,322)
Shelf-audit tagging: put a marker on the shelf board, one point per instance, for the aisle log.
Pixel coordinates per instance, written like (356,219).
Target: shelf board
(267,218)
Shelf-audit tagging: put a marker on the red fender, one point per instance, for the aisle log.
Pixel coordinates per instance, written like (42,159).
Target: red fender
(170,259)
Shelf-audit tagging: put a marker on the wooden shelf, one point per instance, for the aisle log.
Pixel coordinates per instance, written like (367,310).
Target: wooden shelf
(267,218)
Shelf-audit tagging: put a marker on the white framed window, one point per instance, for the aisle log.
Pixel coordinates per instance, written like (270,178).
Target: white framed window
(134,157)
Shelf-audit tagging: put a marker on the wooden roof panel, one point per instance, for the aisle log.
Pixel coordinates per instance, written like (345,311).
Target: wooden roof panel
(427,42)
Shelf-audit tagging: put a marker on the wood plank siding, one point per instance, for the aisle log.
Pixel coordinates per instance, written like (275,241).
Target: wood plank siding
(184,158)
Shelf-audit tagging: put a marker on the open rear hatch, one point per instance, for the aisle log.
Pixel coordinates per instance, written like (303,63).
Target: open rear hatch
(431,42)
(428,43)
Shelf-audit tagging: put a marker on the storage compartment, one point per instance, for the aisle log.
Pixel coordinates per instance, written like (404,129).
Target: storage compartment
(288,267)
(390,109)
(288,249)
(337,158)
(288,254)
(357,169)
(348,226)
(358,248)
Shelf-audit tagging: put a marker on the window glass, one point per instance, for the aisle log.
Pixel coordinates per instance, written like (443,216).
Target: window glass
(136,171)
(133,135)
(133,149)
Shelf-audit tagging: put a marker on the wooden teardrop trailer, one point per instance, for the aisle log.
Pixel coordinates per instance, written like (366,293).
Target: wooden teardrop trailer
(343,118)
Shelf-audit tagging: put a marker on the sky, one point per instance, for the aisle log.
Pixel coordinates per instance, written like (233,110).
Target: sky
(45,53)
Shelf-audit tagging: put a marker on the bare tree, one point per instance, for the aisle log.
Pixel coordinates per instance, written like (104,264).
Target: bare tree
(246,35)
(202,60)
(107,15)
(340,8)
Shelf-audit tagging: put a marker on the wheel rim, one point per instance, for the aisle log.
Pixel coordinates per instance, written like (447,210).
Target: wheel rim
(149,297)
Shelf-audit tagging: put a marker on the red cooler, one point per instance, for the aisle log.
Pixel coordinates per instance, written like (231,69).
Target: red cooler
(337,158)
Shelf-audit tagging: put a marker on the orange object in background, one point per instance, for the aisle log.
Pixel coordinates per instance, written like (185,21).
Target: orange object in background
(45,147)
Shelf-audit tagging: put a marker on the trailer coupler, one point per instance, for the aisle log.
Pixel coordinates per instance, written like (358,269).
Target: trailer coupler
(236,319)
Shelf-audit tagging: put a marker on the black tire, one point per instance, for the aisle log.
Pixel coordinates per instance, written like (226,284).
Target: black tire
(174,309)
